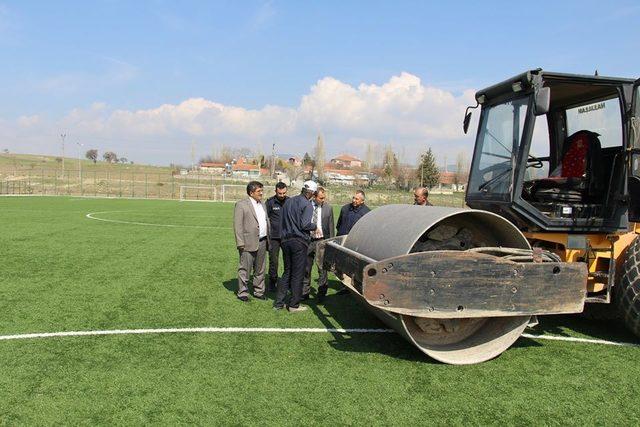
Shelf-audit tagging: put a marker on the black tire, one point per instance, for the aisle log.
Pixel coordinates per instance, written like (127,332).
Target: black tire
(628,293)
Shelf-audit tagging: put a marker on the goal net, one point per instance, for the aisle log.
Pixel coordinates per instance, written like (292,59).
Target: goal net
(233,192)
(202,193)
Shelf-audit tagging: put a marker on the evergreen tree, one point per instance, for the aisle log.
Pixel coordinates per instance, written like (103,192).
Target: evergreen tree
(428,173)
(306,159)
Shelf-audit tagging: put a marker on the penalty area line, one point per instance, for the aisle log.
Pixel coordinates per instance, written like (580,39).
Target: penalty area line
(191,330)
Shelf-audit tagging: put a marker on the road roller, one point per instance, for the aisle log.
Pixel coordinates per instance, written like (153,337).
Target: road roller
(551,224)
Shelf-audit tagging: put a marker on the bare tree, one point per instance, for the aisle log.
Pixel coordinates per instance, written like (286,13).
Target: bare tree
(320,158)
(92,155)
(369,162)
(293,172)
(462,169)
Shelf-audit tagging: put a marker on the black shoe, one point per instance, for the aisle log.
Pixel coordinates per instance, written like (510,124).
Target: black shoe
(278,307)
(343,291)
(243,298)
(262,297)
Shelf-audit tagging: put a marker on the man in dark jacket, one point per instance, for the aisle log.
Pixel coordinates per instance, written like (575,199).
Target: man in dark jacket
(351,213)
(421,197)
(323,213)
(274,206)
(297,222)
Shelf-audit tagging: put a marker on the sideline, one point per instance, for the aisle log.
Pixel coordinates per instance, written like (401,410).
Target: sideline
(192,330)
(150,224)
(228,330)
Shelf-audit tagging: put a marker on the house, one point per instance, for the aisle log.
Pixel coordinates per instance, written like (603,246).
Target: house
(447,183)
(346,161)
(247,171)
(212,168)
(344,176)
(240,169)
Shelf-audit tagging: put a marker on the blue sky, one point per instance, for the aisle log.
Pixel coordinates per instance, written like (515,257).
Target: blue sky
(72,65)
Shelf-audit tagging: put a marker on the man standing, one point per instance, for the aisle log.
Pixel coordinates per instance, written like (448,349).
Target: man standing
(274,205)
(251,228)
(296,217)
(323,217)
(351,213)
(421,197)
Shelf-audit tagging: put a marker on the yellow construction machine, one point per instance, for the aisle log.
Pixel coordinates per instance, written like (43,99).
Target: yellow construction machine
(553,224)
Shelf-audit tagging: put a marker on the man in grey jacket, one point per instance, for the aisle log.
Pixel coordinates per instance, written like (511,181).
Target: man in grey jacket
(251,228)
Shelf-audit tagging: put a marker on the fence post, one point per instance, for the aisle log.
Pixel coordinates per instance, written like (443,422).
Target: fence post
(146,182)
(133,184)
(120,191)
(81,186)
(173,184)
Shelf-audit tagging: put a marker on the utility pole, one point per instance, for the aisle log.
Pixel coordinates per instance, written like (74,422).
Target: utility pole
(63,136)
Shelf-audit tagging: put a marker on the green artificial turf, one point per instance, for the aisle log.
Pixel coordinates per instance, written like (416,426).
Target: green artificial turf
(61,271)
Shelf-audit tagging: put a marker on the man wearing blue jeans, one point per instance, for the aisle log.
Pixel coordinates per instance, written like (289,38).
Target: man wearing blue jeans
(296,225)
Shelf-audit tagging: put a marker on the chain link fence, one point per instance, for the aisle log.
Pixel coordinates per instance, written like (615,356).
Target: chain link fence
(191,187)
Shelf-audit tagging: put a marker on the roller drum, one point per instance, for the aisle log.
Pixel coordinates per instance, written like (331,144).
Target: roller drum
(395,230)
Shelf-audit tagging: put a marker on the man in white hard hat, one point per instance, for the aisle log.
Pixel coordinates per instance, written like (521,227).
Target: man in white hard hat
(296,225)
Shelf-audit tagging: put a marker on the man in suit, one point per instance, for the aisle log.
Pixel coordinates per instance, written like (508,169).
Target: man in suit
(323,217)
(251,228)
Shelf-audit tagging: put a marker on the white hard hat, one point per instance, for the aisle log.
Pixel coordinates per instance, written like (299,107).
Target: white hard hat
(310,185)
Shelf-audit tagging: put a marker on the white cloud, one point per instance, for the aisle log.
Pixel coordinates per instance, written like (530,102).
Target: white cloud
(403,111)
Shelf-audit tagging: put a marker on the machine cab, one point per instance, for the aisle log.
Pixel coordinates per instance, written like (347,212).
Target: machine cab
(558,152)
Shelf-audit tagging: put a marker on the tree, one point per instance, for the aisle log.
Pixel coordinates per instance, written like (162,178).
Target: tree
(389,165)
(370,157)
(462,169)
(123,160)
(110,157)
(319,158)
(293,172)
(428,172)
(92,155)
(306,159)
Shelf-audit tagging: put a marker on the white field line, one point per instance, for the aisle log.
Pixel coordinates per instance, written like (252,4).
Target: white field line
(150,224)
(232,330)
(192,330)
(580,340)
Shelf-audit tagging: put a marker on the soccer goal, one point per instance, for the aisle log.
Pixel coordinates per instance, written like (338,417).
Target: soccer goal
(233,192)
(198,193)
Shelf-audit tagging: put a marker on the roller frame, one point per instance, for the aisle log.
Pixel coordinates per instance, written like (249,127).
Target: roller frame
(459,284)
